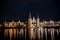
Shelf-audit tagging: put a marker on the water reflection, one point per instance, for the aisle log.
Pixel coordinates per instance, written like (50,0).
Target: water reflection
(38,33)
(31,34)
(46,33)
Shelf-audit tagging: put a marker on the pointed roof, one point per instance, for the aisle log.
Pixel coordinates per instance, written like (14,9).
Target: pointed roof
(12,20)
(30,14)
(38,15)
(19,21)
(34,19)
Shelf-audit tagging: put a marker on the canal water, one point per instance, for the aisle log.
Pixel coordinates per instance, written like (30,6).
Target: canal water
(30,34)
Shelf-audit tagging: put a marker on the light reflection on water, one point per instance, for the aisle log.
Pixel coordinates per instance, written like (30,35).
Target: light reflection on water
(31,34)
(14,33)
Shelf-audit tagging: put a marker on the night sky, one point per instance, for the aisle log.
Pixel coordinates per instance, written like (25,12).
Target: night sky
(19,9)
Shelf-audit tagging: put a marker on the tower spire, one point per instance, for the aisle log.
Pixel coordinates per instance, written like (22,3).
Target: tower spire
(38,15)
(30,14)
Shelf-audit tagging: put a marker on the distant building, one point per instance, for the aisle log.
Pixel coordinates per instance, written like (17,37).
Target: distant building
(32,22)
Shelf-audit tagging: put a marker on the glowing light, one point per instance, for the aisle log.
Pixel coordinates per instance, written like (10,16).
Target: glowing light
(51,21)
(45,22)
(41,23)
